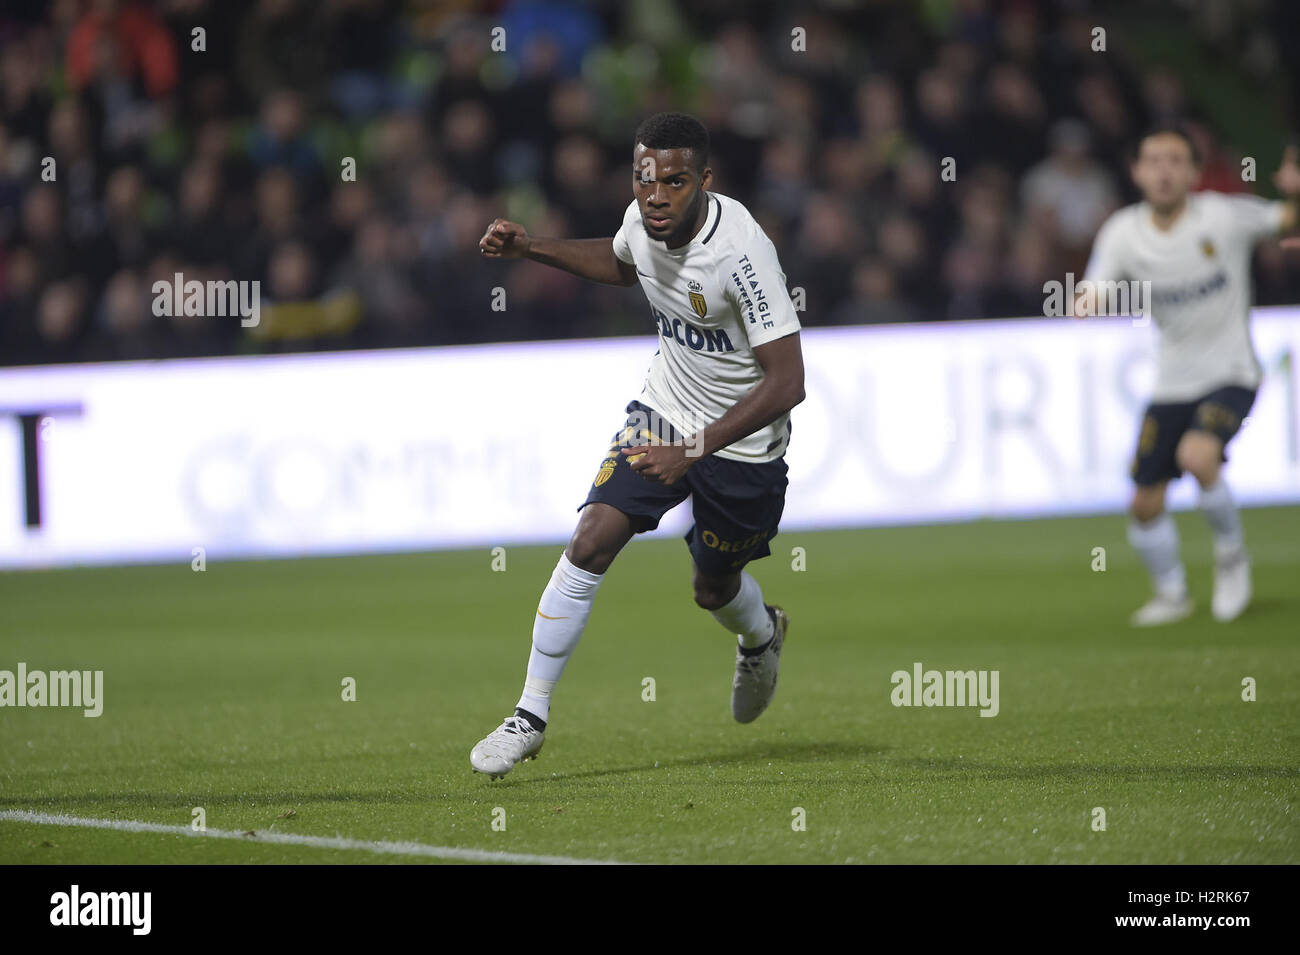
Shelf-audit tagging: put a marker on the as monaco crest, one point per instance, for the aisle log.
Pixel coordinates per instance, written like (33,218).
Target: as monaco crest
(697,298)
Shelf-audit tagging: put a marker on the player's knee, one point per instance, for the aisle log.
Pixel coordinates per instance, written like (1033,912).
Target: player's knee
(709,598)
(714,593)
(1200,456)
(587,553)
(1147,504)
(599,536)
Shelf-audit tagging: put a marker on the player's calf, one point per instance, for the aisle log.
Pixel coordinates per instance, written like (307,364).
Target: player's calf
(1154,535)
(1201,453)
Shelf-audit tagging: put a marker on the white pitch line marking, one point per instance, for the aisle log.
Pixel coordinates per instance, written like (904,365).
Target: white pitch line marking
(293,839)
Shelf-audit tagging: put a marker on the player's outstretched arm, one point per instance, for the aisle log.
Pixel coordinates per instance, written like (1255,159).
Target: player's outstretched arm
(1287,180)
(591,259)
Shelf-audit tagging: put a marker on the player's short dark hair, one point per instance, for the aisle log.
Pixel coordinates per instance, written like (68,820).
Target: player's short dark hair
(675,131)
(1169,128)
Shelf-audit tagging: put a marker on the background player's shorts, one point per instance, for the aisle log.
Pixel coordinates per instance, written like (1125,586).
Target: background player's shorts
(1220,413)
(737,505)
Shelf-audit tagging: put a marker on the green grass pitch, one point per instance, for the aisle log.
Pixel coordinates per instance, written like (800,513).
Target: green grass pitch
(223,691)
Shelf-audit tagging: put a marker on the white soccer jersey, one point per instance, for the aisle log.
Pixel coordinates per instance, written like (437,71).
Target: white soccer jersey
(1200,286)
(713,300)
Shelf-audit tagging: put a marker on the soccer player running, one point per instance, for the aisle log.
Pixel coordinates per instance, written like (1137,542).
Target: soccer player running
(1195,249)
(712,420)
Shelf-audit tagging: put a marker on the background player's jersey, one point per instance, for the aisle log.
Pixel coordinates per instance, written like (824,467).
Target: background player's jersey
(1200,286)
(713,300)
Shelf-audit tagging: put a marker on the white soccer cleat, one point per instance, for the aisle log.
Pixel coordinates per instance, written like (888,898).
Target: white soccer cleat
(755,682)
(512,742)
(1160,610)
(1232,590)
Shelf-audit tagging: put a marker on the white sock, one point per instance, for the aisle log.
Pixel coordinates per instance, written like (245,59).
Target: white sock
(561,617)
(746,616)
(1157,544)
(1221,514)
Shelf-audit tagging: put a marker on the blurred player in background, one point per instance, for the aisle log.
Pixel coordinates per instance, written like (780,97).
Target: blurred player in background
(1195,249)
(713,419)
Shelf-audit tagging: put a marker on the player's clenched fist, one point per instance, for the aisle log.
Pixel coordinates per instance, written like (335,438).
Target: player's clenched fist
(504,240)
(1287,177)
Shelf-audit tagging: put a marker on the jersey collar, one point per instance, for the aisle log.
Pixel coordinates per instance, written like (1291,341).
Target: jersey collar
(1183,222)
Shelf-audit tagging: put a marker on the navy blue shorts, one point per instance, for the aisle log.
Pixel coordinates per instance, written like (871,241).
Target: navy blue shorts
(1219,413)
(737,505)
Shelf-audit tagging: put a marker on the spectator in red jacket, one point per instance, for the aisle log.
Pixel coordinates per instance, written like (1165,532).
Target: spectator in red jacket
(143,44)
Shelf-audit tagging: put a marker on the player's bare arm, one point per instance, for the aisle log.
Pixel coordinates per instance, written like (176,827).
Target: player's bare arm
(781,388)
(591,259)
